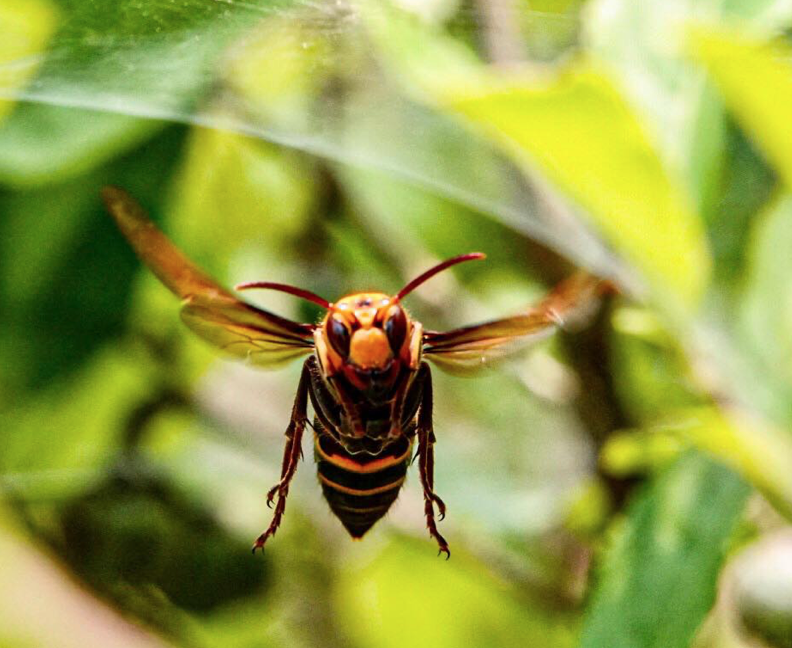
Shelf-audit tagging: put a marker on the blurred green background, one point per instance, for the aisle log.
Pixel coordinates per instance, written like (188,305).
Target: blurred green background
(628,485)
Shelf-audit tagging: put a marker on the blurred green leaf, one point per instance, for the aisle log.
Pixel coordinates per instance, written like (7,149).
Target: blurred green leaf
(745,184)
(284,64)
(428,152)
(26,27)
(42,144)
(578,130)
(756,81)
(55,440)
(29,218)
(650,370)
(412,221)
(127,537)
(756,449)
(549,27)
(642,45)
(766,304)
(658,578)
(301,75)
(61,302)
(637,452)
(67,272)
(236,191)
(419,54)
(766,15)
(752,447)
(149,59)
(469,607)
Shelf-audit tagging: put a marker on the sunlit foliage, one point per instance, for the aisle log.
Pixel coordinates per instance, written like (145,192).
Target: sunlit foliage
(601,489)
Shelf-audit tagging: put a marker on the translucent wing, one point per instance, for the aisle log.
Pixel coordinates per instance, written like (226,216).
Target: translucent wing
(210,310)
(465,350)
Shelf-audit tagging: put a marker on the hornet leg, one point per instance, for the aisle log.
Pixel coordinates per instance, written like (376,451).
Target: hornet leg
(426,440)
(291,456)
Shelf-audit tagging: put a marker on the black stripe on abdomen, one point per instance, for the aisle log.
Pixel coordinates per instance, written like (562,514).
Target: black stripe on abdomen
(361,488)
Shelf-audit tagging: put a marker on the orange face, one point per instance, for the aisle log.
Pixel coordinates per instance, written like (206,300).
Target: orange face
(367,331)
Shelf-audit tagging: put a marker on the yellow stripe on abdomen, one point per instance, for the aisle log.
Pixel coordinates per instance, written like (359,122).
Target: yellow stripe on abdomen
(348,463)
(360,492)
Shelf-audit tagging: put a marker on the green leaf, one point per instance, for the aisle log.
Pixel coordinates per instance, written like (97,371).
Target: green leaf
(650,370)
(580,132)
(301,75)
(469,607)
(756,449)
(765,15)
(659,576)
(65,271)
(144,59)
(413,220)
(91,407)
(766,303)
(642,45)
(746,184)
(755,79)
(64,290)
(264,193)
(26,27)
(42,144)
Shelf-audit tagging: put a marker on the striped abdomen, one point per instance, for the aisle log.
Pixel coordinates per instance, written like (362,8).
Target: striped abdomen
(360,488)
